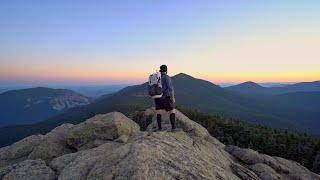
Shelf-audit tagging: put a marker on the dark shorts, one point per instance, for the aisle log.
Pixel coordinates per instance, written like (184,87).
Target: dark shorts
(164,103)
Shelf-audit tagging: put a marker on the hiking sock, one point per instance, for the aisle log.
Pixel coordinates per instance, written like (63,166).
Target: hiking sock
(173,120)
(159,121)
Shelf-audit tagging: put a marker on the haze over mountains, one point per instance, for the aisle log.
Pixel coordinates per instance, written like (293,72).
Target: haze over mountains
(251,88)
(295,110)
(95,91)
(92,91)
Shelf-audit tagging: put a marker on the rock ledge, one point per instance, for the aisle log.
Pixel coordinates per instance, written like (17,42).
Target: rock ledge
(111,146)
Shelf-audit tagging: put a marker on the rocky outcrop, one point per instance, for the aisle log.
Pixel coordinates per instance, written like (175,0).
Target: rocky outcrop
(190,127)
(19,151)
(100,129)
(247,156)
(28,169)
(111,146)
(316,163)
(53,144)
(267,167)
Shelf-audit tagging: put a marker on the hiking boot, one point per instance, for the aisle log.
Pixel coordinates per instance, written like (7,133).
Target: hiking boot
(175,129)
(156,130)
(153,130)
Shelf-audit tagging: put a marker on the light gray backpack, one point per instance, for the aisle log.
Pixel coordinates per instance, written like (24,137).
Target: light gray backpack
(154,85)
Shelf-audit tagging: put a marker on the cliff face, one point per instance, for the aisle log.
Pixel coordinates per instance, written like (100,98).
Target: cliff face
(111,146)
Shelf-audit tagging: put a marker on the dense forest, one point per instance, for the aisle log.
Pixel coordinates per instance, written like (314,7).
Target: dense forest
(300,147)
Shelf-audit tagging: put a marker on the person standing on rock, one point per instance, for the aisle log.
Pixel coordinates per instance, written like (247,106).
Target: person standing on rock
(162,91)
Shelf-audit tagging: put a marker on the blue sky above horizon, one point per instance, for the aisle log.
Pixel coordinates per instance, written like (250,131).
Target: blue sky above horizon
(123,41)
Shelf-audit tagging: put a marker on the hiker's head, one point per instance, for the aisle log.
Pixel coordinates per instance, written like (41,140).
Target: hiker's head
(163,68)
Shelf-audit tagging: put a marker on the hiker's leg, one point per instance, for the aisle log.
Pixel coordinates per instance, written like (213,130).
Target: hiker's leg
(159,111)
(173,118)
(170,108)
(159,118)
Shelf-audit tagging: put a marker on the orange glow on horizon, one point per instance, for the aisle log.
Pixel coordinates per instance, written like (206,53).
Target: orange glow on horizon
(140,77)
(260,77)
(117,72)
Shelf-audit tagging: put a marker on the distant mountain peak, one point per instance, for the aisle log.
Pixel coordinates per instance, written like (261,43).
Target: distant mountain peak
(249,83)
(183,76)
(246,87)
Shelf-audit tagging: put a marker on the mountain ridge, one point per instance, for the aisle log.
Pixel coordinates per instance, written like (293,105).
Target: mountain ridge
(252,88)
(190,93)
(34,104)
(248,84)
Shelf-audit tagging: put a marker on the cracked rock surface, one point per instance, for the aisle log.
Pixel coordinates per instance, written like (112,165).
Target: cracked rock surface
(111,146)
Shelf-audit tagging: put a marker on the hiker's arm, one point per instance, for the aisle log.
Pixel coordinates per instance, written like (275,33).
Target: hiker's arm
(171,89)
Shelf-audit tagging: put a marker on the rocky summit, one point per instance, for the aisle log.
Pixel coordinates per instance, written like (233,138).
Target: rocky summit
(111,146)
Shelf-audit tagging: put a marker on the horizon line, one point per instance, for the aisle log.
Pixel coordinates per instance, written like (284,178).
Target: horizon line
(16,83)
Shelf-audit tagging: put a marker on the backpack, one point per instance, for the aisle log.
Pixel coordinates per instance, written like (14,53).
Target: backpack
(155,86)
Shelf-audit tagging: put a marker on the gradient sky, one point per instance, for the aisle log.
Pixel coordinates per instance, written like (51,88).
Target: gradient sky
(123,41)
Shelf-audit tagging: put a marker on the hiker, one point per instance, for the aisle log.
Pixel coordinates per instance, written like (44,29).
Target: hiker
(161,90)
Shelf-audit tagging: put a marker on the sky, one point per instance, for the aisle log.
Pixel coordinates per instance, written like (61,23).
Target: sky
(123,41)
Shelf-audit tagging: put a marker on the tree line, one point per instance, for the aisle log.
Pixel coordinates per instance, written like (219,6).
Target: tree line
(301,147)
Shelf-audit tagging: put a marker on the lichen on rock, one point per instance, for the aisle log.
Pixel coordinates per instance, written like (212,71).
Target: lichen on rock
(107,127)
(28,170)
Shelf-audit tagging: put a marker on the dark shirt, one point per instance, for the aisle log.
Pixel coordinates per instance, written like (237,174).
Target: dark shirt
(167,87)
